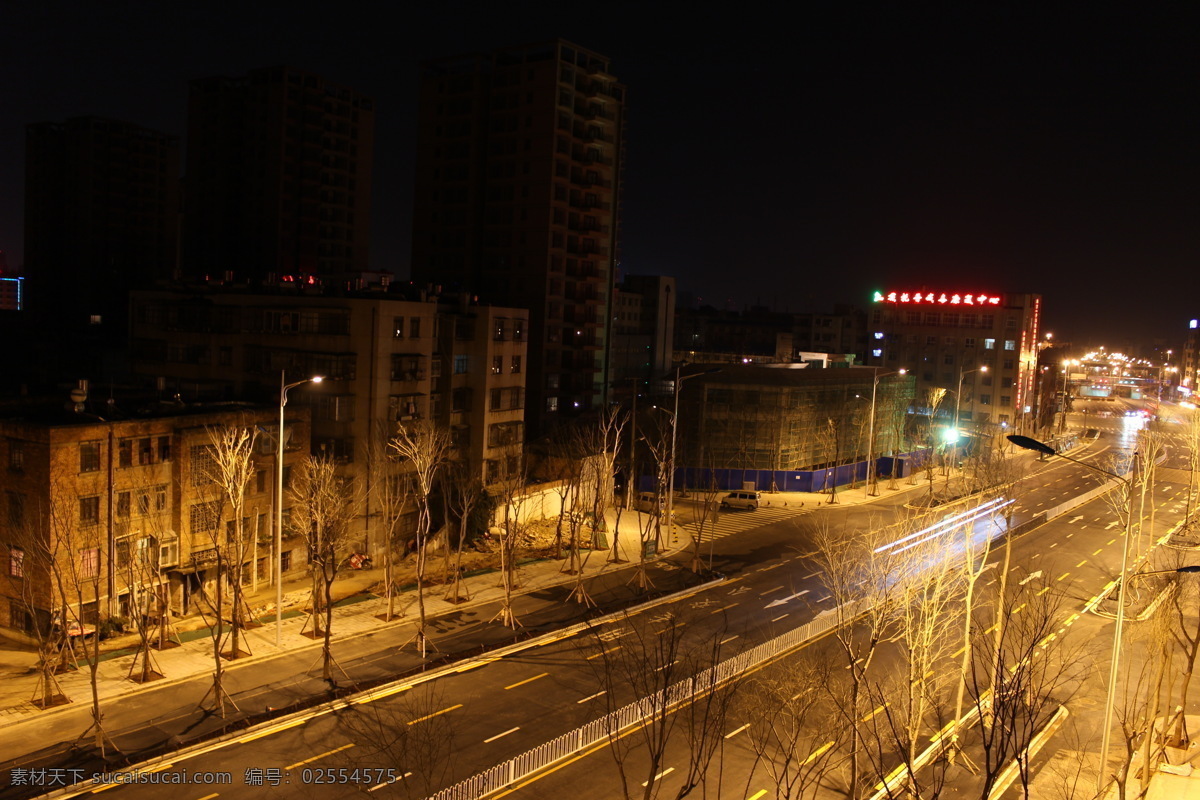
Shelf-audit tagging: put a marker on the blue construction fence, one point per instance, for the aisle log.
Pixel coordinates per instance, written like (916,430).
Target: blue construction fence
(766,480)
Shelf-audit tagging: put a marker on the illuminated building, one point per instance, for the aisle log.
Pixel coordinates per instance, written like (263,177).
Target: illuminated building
(278,177)
(1190,368)
(944,336)
(517,201)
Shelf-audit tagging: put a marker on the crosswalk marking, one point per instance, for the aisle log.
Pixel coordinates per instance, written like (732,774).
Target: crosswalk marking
(730,522)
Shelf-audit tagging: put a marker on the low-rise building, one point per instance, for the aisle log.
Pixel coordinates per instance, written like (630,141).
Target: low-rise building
(105,508)
(785,418)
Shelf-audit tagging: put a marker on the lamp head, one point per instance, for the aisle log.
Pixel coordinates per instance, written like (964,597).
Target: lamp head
(317,378)
(1027,443)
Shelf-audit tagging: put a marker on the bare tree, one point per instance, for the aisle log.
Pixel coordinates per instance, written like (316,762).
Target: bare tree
(858,577)
(424,446)
(403,742)
(933,401)
(323,508)
(792,729)
(464,497)
(606,438)
(1021,675)
(387,489)
(510,494)
(79,543)
(671,677)
(231,468)
(39,564)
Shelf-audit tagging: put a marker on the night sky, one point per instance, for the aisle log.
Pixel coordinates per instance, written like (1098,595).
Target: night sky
(793,156)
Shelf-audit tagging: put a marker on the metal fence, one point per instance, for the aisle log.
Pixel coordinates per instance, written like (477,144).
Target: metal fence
(599,730)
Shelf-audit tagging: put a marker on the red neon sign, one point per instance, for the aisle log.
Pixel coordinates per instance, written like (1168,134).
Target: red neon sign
(938,298)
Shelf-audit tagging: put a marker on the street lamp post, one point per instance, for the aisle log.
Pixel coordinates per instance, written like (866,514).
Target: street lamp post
(872,479)
(679,379)
(1066,373)
(283,390)
(958,402)
(1113,669)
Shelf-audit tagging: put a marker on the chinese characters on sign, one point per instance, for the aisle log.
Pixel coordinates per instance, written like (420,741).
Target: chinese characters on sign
(938,297)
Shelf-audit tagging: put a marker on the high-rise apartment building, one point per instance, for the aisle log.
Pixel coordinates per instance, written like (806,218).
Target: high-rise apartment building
(517,201)
(643,332)
(981,348)
(278,178)
(101,218)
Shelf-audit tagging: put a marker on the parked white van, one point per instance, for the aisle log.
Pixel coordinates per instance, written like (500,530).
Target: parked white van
(742,498)
(647,502)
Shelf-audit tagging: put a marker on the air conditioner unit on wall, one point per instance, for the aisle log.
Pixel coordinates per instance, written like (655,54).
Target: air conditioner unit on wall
(168,554)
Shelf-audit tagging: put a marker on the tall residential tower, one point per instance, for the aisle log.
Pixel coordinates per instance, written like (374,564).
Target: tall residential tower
(278,178)
(517,200)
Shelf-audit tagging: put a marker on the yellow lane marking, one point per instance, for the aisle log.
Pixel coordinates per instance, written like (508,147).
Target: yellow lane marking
(434,714)
(1044,590)
(527,680)
(757,795)
(814,754)
(1081,563)
(1017,610)
(319,757)
(872,714)
(605,652)
(724,608)
(1064,575)
(275,729)
(736,731)
(1097,551)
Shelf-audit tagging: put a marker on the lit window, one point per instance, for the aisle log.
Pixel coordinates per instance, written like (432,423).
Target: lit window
(1010,344)
(878,334)
(89,456)
(989,344)
(877,352)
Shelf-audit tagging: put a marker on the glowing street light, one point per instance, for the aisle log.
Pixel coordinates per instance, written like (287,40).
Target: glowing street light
(1027,443)
(283,390)
(872,478)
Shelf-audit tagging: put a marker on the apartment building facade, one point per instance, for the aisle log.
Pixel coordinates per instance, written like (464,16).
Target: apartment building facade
(384,359)
(278,176)
(517,201)
(114,514)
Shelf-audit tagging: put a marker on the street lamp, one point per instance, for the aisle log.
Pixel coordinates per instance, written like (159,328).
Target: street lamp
(871,433)
(675,424)
(1038,447)
(1066,373)
(958,403)
(283,390)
